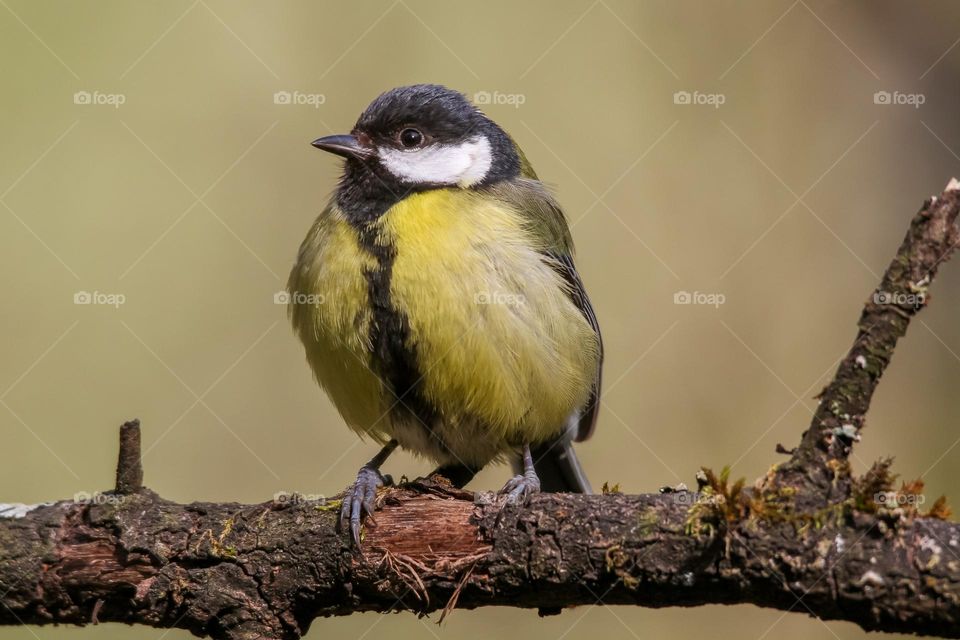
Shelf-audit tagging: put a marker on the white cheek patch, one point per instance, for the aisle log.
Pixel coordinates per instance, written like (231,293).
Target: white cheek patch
(462,164)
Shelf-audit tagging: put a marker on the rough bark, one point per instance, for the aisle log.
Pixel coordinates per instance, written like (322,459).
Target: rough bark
(819,465)
(806,537)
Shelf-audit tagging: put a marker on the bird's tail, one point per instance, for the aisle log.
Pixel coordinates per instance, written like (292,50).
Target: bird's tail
(558,468)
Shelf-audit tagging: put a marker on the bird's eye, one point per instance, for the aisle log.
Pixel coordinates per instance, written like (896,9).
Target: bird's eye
(411,138)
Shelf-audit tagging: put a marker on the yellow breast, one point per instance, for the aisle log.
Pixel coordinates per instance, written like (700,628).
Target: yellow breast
(496,335)
(331,315)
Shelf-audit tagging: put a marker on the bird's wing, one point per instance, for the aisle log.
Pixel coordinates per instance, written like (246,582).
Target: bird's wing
(563,263)
(549,225)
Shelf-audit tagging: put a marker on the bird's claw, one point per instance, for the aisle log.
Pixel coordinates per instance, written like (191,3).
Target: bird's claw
(519,488)
(359,501)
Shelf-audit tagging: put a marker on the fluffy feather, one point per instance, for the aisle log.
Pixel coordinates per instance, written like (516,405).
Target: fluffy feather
(505,355)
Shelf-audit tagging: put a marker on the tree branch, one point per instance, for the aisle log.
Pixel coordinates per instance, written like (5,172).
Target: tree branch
(807,537)
(820,464)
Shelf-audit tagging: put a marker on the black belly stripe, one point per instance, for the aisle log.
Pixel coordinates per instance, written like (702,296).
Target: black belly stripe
(366,193)
(394,359)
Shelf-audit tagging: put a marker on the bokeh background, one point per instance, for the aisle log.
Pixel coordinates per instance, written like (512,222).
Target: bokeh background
(176,190)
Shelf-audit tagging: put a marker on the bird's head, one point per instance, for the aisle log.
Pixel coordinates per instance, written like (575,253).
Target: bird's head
(422,137)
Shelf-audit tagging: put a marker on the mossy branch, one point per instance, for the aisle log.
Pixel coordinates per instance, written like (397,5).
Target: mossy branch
(820,463)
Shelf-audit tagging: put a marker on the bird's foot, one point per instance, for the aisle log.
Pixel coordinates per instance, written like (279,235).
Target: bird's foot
(359,501)
(519,488)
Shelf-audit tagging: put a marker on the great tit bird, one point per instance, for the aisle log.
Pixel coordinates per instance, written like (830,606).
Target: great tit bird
(438,303)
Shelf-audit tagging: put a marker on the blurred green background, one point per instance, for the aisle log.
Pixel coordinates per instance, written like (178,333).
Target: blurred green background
(179,186)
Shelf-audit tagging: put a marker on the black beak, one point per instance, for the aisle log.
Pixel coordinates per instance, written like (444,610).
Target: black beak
(343,145)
